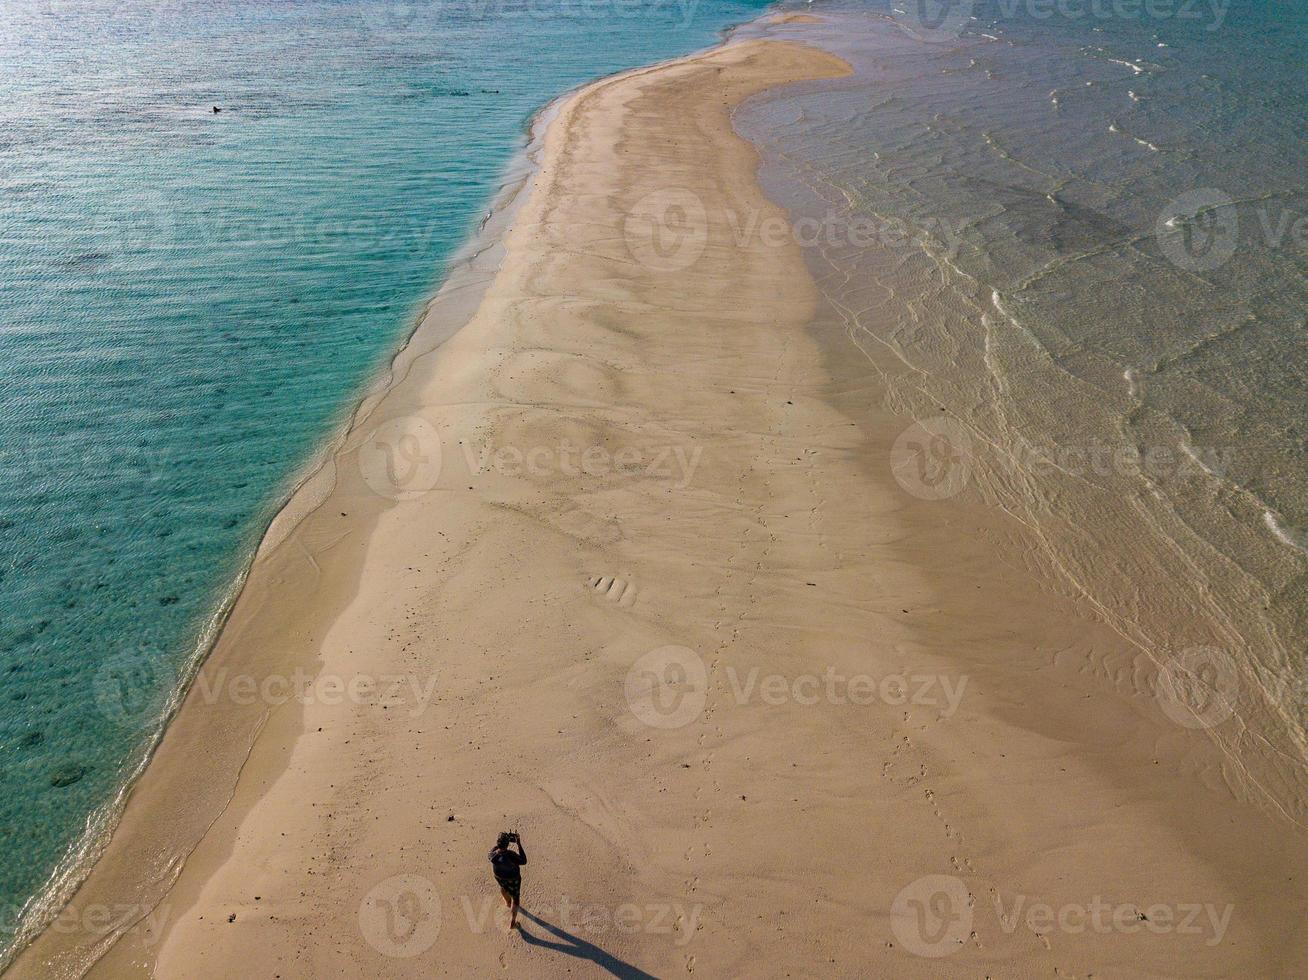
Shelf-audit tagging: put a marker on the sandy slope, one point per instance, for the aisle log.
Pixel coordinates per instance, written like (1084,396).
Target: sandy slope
(631,491)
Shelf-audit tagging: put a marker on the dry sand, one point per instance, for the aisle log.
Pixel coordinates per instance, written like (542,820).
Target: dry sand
(736,505)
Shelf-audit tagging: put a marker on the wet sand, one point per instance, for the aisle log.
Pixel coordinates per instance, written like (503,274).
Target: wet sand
(622,565)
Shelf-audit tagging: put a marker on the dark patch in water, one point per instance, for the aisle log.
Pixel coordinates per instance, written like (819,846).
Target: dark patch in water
(67,775)
(86,259)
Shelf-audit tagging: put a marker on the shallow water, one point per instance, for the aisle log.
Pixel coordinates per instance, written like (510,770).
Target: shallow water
(1074,237)
(190,301)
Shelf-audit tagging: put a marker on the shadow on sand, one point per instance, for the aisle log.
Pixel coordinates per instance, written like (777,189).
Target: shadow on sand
(572,946)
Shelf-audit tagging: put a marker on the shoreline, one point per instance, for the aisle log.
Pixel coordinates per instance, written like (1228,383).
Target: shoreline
(442,315)
(302,495)
(460,273)
(816,572)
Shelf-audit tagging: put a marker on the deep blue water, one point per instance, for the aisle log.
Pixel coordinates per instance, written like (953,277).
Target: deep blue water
(189,301)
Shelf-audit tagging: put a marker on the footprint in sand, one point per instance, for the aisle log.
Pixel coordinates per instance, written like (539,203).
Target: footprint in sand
(619,590)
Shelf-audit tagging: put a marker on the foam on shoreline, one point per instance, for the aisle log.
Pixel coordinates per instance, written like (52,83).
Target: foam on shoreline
(465,277)
(793,554)
(461,285)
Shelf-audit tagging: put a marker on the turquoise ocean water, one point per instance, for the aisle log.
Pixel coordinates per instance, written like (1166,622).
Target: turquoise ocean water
(190,301)
(1089,225)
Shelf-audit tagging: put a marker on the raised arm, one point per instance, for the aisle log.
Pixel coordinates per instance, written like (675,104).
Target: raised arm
(521,852)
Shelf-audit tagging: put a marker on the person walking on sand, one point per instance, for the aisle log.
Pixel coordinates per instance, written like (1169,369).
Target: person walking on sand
(507,866)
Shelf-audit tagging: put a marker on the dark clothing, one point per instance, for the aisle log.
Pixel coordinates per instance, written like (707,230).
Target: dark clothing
(507,866)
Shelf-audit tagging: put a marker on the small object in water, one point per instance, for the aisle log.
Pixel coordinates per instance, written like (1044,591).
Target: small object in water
(66,776)
(216,110)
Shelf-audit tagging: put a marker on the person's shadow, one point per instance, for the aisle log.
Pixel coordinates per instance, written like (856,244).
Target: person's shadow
(573,946)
